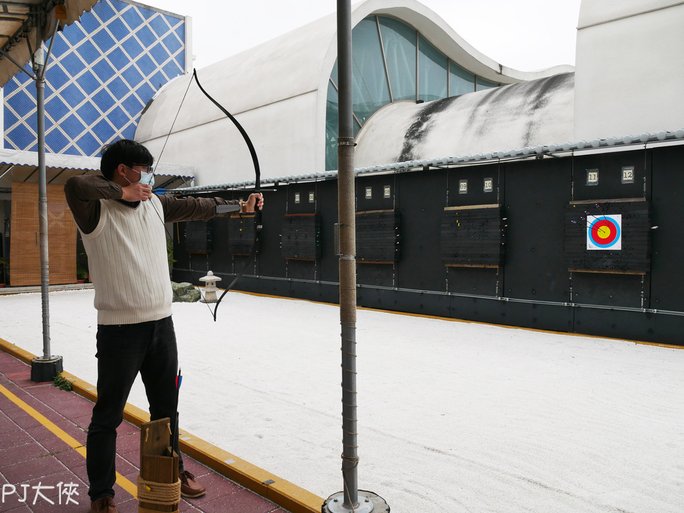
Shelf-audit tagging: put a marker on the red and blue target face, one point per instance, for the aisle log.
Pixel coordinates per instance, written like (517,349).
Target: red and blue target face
(604,232)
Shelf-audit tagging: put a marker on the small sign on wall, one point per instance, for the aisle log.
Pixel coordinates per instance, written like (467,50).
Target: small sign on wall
(604,232)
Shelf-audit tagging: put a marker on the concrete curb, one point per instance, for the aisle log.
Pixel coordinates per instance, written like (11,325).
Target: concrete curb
(274,488)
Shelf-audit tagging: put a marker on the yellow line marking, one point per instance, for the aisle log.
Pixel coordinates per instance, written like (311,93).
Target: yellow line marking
(65,437)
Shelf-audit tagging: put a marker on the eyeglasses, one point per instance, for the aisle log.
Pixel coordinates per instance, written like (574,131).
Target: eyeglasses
(144,168)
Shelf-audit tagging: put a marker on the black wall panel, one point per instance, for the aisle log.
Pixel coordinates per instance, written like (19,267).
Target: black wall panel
(300,238)
(472,236)
(381,275)
(474,178)
(301,270)
(382,191)
(421,202)
(198,237)
(609,289)
(667,240)
(634,255)
(327,210)
(479,282)
(377,236)
(536,194)
(609,166)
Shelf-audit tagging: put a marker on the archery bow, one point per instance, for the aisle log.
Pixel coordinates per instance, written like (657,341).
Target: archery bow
(257,189)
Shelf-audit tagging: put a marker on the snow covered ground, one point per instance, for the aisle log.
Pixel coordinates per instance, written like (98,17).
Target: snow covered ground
(453,416)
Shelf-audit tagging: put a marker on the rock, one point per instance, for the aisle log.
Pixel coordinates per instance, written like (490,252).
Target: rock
(185,292)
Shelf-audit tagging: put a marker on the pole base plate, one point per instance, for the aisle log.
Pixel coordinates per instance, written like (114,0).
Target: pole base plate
(45,369)
(369,502)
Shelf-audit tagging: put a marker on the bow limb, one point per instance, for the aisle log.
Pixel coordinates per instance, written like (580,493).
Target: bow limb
(257,182)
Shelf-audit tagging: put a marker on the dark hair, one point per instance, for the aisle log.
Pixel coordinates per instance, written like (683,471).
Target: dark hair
(125,152)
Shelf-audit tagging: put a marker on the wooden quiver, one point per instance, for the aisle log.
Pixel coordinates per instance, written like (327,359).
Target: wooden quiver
(158,482)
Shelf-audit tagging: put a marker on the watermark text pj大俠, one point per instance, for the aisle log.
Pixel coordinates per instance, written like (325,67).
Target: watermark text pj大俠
(60,494)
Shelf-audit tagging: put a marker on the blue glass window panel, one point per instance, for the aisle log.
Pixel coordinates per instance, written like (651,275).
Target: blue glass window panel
(132,18)
(104,11)
(88,82)
(146,65)
(89,22)
(104,130)
(103,70)
(9,118)
(55,141)
(145,92)
(56,108)
(103,40)
(73,34)
(12,86)
(104,100)
(118,117)
(171,69)
(118,88)
(72,95)
(88,52)
(461,81)
(72,64)
(481,84)
(399,41)
(118,28)
(88,144)
(132,105)
(159,26)
(89,113)
(180,31)
(60,46)
(72,126)
(118,58)
(331,128)
(333,73)
(370,90)
(432,72)
(132,76)
(132,47)
(22,103)
(21,136)
(172,44)
(56,77)
(159,53)
(157,80)
(129,132)
(146,36)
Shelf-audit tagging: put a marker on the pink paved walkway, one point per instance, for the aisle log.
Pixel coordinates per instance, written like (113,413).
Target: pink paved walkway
(33,456)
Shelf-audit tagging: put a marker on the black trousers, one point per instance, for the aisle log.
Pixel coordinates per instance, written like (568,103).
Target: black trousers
(123,351)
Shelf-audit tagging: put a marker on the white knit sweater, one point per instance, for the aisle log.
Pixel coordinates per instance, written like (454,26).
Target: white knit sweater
(128,264)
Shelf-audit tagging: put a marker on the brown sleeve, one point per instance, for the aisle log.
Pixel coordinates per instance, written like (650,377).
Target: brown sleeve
(191,208)
(83,194)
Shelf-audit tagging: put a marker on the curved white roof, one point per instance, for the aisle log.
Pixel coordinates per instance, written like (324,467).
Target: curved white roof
(520,115)
(278,91)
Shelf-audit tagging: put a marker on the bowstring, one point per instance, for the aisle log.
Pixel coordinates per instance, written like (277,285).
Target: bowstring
(166,140)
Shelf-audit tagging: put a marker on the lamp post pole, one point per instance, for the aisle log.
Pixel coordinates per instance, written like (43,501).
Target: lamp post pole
(43,368)
(349,500)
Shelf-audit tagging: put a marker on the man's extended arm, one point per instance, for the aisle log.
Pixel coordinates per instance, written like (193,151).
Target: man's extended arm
(193,209)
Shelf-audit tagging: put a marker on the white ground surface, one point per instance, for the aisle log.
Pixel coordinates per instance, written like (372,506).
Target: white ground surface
(454,417)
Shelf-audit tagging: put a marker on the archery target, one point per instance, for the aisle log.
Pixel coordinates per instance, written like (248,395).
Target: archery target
(604,232)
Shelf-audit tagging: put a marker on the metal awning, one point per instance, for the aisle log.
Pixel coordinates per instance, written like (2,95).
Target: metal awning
(22,166)
(25,24)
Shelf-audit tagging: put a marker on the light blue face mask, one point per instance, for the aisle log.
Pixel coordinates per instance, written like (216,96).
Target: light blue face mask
(147,179)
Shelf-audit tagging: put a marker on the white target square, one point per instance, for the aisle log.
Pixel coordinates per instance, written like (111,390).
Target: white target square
(604,232)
